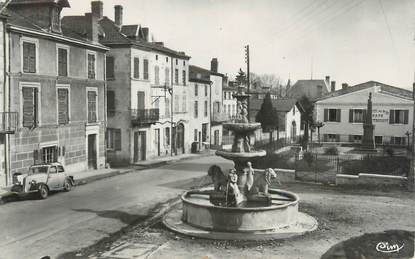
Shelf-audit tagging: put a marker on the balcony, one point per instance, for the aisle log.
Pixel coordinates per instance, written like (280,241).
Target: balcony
(144,116)
(8,122)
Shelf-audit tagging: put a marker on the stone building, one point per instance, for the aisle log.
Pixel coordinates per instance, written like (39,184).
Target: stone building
(312,88)
(218,117)
(56,84)
(229,102)
(343,113)
(148,111)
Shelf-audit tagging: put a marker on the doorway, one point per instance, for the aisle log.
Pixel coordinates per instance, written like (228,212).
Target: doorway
(92,151)
(294,131)
(180,139)
(157,141)
(139,146)
(216,138)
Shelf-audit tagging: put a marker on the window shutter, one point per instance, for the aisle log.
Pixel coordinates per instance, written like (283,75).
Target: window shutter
(63,113)
(63,150)
(110,103)
(36,156)
(25,57)
(55,154)
(326,114)
(28,107)
(117,139)
(145,68)
(391,116)
(110,67)
(337,137)
(406,116)
(351,138)
(32,58)
(350,115)
(364,115)
(136,68)
(338,115)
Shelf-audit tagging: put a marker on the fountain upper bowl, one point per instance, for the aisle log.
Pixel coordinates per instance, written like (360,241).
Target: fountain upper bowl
(239,127)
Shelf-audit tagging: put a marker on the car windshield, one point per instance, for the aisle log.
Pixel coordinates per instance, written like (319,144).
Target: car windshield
(38,170)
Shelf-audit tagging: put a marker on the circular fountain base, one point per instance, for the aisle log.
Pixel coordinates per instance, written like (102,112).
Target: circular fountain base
(199,218)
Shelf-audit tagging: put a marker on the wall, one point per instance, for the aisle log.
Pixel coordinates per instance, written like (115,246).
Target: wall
(196,123)
(358,100)
(291,116)
(373,180)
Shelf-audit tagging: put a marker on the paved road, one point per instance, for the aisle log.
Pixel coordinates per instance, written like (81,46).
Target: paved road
(69,221)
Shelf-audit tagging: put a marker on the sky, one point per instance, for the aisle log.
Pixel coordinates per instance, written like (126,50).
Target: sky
(352,41)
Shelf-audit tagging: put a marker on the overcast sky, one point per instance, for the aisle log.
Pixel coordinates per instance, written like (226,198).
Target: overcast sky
(352,41)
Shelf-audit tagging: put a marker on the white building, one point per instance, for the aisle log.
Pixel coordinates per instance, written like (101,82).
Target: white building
(229,102)
(343,113)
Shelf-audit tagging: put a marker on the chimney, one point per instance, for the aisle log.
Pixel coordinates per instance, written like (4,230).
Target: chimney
(146,33)
(333,86)
(327,80)
(97,9)
(118,15)
(214,65)
(344,85)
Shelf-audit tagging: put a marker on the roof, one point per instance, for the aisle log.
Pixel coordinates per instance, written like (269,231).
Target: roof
(113,36)
(309,88)
(281,105)
(393,90)
(199,74)
(130,30)
(62,3)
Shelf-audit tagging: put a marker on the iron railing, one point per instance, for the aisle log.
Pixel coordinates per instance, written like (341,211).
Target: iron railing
(144,116)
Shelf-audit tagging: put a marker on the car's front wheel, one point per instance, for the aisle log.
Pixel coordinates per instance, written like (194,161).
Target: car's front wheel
(67,185)
(43,191)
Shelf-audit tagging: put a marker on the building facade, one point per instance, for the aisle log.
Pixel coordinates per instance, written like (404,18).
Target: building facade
(56,84)
(148,110)
(229,102)
(343,113)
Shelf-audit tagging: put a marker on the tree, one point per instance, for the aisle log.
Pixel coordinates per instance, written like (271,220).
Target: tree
(267,116)
(306,117)
(241,78)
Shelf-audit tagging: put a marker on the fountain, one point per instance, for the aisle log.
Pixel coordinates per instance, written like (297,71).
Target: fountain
(241,204)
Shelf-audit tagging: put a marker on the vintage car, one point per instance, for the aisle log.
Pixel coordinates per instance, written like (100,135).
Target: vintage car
(41,179)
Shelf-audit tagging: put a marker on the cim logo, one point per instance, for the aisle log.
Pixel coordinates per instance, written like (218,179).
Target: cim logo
(385,247)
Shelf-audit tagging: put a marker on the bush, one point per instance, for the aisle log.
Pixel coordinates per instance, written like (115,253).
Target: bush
(308,157)
(389,151)
(332,151)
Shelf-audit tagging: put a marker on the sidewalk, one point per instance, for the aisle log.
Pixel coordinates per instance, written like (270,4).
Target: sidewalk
(84,177)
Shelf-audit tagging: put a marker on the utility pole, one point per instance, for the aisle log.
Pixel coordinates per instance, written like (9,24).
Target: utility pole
(411,175)
(248,83)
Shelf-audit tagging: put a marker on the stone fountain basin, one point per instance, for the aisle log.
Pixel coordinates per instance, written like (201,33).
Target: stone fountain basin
(241,157)
(241,128)
(200,213)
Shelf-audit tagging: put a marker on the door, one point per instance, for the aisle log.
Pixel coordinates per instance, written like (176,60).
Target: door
(139,146)
(140,100)
(180,139)
(54,181)
(157,141)
(92,151)
(204,132)
(294,131)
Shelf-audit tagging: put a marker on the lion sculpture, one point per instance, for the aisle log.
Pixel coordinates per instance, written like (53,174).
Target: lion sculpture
(262,180)
(219,179)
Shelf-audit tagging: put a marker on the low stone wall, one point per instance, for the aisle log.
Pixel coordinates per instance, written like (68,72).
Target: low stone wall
(370,180)
(284,175)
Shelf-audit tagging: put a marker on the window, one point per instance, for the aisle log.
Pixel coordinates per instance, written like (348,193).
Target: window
(195,135)
(332,115)
(156,75)
(145,73)
(184,77)
(184,62)
(184,106)
(357,115)
(92,106)
(176,103)
(176,76)
(49,154)
(110,103)
(30,107)
(196,109)
(217,107)
(62,62)
(167,107)
(378,140)
(167,136)
(294,110)
(136,68)
(63,106)
(398,140)
(91,66)
(398,116)
(29,57)
(110,67)
(355,138)
(206,90)
(331,137)
(205,111)
(157,57)
(114,139)
(167,59)
(196,90)
(177,61)
(167,76)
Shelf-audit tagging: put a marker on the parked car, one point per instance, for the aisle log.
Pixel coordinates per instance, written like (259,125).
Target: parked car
(42,179)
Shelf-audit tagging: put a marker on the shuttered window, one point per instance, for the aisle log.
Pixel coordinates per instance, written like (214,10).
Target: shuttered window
(91,66)
(110,67)
(196,109)
(110,103)
(92,106)
(156,75)
(30,107)
(145,73)
(136,68)
(63,106)
(184,77)
(176,76)
(29,57)
(167,76)
(332,115)
(62,62)
(398,116)
(205,111)
(114,139)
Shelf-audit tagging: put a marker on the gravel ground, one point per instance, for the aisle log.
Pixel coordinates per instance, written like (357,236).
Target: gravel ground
(341,213)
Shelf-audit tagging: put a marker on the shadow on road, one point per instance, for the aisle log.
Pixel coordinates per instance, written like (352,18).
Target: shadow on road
(124,217)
